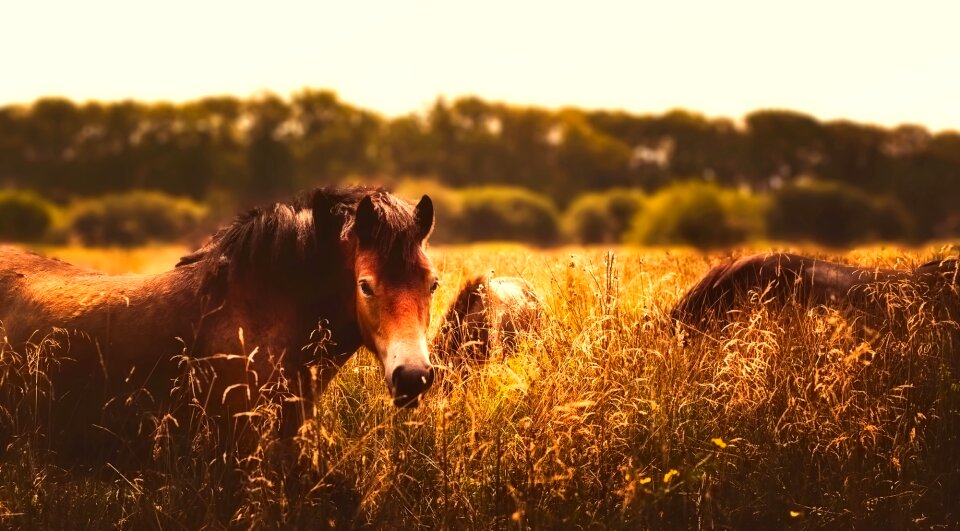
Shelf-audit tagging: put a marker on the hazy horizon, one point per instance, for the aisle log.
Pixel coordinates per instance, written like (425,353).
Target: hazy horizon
(880,64)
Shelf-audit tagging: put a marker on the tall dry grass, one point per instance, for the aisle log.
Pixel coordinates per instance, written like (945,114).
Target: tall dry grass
(607,417)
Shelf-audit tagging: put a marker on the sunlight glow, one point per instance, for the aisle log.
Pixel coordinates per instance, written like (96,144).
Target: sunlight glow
(879,62)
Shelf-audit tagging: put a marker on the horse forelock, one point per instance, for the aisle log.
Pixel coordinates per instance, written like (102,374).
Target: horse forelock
(395,238)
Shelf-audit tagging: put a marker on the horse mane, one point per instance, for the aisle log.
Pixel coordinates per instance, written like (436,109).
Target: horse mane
(717,292)
(702,297)
(396,237)
(283,237)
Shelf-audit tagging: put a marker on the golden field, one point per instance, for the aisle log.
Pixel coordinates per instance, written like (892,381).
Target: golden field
(607,417)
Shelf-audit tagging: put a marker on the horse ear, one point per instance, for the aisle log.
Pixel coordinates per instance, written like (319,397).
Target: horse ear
(365,222)
(327,223)
(424,216)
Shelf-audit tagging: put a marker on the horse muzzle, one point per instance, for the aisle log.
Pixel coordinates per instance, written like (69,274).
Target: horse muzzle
(409,382)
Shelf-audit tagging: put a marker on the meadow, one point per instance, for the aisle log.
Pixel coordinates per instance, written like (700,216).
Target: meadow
(608,416)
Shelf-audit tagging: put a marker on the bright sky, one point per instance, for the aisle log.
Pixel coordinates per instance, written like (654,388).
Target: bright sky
(873,61)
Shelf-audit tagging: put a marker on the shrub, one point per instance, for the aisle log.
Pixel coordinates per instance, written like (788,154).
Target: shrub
(603,217)
(699,214)
(506,213)
(134,218)
(24,216)
(833,214)
(447,206)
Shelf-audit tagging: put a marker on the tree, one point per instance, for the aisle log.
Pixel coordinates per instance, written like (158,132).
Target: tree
(270,163)
(12,146)
(783,145)
(49,134)
(853,153)
(588,159)
(332,139)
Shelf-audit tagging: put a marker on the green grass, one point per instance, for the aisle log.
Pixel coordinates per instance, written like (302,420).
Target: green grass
(603,418)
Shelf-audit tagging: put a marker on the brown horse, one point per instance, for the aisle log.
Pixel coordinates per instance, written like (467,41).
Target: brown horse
(485,319)
(779,278)
(283,289)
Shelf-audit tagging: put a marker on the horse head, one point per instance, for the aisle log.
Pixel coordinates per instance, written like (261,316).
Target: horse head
(393,285)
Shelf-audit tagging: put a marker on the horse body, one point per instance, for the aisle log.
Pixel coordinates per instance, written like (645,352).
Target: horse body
(97,337)
(38,294)
(266,299)
(486,317)
(780,278)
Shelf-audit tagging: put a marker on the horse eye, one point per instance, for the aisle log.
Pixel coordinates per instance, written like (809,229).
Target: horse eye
(365,288)
(434,286)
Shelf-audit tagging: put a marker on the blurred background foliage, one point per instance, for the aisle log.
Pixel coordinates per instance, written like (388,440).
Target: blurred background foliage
(701,215)
(133,218)
(124,173)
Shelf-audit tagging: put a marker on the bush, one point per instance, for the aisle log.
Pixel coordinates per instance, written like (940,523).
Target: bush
(134,218)
(699,214)
(24,216)
(506,213)
(603,217)
(833,214)
(447,206)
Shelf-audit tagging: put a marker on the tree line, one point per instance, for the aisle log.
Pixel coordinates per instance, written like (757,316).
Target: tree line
(269,146)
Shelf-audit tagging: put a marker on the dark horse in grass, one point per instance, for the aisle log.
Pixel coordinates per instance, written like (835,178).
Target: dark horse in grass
(486,319)
(284,292)
(879,296)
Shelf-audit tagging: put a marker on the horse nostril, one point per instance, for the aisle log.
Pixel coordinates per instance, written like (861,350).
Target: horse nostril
(409,382)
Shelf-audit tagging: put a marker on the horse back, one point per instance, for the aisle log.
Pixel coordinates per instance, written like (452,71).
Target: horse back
(38,294)
(783,277)
(727,284)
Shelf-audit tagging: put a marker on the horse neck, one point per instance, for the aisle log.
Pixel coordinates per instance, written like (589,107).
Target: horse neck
(305,312)
(178,293)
